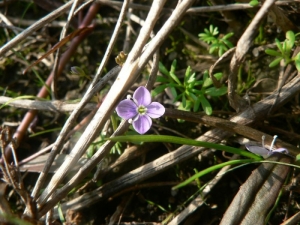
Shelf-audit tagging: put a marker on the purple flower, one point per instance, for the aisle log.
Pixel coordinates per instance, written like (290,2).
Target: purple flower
(139,109)
(263,151)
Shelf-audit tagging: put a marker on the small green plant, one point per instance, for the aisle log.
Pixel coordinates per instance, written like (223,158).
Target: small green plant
(217,43)
(191,92)
(284,53)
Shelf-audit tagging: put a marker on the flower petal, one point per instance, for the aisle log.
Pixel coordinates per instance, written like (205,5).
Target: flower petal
(281,150)
(142,96)
(126,109)
(142,124)
(155,110)
(258,150)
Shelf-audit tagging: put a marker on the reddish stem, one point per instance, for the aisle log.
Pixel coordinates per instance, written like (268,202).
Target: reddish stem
(30,115)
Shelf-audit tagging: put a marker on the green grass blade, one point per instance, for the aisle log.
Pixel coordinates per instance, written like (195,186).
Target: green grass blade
(183,141)
(211,169)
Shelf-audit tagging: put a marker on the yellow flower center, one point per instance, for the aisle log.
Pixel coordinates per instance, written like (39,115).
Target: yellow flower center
(142,110)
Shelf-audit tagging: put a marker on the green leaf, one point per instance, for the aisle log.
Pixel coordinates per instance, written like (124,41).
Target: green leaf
(228,43)
(183,101)
(173,66)
(215,92)
(297,61)
(279,46)
(178,97)
(253,3)
(192,79)
(218,76)
(290,36)
(193,96)
(272,52)
(175,78)
(187,106)
(163,69)
(297,64)
(215,31)
(212,49)
(196,91)
(158,90)
(211,28)
(205,105)
(161,88)
(227,36)
(208,81)
(162,79)
(297,159)
(205,75)
(187,75)
(221,50)
(197,105)
(172,73)
(275,62)
(284,44)
(197,83)
(173,91)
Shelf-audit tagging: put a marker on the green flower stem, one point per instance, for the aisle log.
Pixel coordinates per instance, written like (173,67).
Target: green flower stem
(229,126)
(183,141)
(211,169)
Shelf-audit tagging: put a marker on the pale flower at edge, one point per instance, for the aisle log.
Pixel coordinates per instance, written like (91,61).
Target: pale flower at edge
(140,110)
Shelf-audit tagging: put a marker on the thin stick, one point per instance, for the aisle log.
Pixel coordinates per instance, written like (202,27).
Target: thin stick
(57,55)
(39,24)
(50,106)
(111,42)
